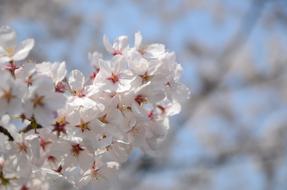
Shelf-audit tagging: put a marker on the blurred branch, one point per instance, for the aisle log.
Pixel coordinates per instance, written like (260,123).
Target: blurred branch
(248,23)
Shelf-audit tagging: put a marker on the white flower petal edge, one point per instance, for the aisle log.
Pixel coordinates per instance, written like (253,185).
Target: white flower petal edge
(9,51)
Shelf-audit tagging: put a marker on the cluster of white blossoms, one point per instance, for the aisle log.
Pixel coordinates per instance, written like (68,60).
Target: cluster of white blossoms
(61,130)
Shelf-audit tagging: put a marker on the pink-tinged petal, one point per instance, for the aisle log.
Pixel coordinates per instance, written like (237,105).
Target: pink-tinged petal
(76,80)
(24,49)
(107,44)
(154,51)
(122,42)
(118,64)
(140,66)
(95,58)
(138,40)
(59,71)
(105,67)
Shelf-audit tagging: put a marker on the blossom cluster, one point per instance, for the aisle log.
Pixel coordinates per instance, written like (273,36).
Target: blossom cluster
(62,130)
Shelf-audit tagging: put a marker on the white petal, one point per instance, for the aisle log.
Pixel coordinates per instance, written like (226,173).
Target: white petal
(174,109)
(43,116)
(105,66)
(24,49)
(83,102)
(57,181)
(107,44)
(76,80)
(4,59)
(2,52)
(15,107)
(139,66)
(44,68)
(43,86)
(122,42)
(95,58)
(154,50)
(56,101)
(138,40)
(59,71)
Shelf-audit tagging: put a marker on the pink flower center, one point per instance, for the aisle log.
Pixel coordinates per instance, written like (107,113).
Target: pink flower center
(117,52)
(76,149)
(114,78)
(140,99)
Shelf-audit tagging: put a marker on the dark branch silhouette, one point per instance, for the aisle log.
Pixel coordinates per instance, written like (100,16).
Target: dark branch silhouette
(4,131)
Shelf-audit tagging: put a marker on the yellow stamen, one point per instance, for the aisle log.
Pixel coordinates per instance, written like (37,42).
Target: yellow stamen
(7,95)
(10,52)
(38,101)
(83,126)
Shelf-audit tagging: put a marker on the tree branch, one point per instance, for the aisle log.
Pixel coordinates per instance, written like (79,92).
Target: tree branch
(30,127)
(4,131)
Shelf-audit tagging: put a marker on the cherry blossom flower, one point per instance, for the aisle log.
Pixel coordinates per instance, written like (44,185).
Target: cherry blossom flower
(57,71)
(42,102)
(118,46)
(99,176)
(73,131)
(11,92)
(80,92)
(9,51)
(113,76)
(152,51)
